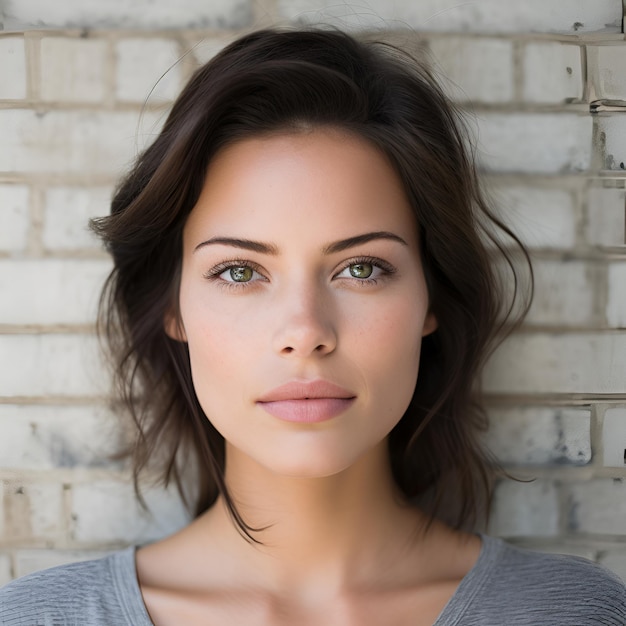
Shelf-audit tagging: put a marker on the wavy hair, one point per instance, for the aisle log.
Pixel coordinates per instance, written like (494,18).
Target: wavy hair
(284,80)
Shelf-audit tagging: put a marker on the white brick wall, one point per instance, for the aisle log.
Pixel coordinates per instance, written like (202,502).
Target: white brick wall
(552,72)
(606,216)
(478,70)
(36,437)
(489,16)
(565,294)
(33,511)
(606,68)
(597,507)
(73,70)
(147,68)
(72,141)
(67,211)
(614,437)
(541,218)
(534,142)
(5,569)
(616,306)
(14,217)
(12,68)
(51,365)
(540,436)
(137,14)
(107,512)
(525,508)
(542,363)
(51,291)
(611,130)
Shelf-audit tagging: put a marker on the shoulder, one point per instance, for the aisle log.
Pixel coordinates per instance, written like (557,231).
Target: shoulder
(87,593)
(549,588)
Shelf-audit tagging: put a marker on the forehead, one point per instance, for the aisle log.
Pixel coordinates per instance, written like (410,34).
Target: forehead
(322,183)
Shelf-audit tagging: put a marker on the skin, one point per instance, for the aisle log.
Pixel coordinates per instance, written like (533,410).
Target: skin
(339,546)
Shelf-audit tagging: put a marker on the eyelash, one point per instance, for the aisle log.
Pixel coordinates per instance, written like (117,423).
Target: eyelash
(214,273)
(386,269)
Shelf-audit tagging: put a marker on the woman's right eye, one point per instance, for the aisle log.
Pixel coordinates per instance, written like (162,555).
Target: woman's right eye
(234,274)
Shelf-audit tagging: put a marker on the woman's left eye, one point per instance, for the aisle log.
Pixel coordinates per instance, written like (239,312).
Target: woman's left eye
(366,270)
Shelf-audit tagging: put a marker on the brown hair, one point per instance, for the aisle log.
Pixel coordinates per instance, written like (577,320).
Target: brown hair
(279,80)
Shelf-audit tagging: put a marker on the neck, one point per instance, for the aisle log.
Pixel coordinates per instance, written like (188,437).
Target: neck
(338,528)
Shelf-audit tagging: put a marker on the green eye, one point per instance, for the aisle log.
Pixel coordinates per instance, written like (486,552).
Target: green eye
(241,274)
(361,270)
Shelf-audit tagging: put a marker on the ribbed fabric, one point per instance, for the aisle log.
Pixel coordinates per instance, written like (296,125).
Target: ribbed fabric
(508,586)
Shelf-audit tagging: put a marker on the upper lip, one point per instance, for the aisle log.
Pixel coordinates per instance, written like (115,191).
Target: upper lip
(302,390)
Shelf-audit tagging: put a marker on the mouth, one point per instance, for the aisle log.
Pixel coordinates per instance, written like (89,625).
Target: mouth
(307,402)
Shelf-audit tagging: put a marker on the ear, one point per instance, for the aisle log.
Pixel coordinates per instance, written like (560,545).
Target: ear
(430,324)
(174,328)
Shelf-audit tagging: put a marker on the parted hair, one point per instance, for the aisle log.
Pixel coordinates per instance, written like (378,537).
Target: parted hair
(283,81)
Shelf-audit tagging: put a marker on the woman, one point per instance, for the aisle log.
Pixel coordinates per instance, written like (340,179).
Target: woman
(302,298)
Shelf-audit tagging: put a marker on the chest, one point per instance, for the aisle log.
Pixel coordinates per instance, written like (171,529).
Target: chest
(409,607)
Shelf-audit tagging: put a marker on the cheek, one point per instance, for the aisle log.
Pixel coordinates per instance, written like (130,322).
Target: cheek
(387,349)
(219,344)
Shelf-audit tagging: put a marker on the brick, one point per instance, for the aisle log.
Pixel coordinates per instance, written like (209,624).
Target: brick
(73,70)
(51,364)
(72,141)
(597,507)
(206,48)
(12,68)
(525,509)
(606,216)
(540,436)
(558,363)
(33,511)
(605,67)
(547,143)
(479,70)
(5,569)
(564,293)
(51,291)
(149,14)
(616,305)
(107,512)
(491,16)
(615,561)
(35,437)
(614,437)
(67,211)
(541,218)
(147,70)
(552,73)
(14,216)
(610,146)
(29,561)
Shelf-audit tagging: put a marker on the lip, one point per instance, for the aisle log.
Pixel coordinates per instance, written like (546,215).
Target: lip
(307,401)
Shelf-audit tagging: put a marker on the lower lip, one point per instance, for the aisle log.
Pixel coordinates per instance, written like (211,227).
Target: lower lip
(310,411)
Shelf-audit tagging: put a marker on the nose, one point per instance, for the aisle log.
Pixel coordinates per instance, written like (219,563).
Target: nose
(304,325)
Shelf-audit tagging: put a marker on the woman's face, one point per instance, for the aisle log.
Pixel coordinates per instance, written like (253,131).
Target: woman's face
(303,300)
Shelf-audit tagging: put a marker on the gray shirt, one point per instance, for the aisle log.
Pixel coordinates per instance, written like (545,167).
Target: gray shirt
(507,586)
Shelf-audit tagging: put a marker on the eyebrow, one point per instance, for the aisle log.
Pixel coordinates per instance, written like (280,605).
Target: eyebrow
(271,249)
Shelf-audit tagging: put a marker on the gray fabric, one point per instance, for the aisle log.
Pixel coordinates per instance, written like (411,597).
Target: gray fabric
(507,586)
